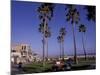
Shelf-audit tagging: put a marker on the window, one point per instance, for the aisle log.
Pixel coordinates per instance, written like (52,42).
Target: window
(24,47)
(13,50)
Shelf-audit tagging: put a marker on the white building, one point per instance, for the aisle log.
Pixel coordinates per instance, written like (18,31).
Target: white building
(21,53)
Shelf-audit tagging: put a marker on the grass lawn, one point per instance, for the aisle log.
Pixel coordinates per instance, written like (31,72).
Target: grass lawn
(83,64)
(36,68)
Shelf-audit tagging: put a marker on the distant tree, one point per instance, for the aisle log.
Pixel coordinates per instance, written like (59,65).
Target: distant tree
(60,38)
(72,15)
(91,13)
(82,29)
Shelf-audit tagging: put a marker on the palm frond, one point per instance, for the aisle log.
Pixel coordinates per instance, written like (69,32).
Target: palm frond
(82,28)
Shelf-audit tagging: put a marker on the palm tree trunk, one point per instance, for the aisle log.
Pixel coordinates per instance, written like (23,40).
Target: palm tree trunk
(44,42)
(75,53)
(47,48)
(63,50)
(83,46)
(43,51)
(60,49)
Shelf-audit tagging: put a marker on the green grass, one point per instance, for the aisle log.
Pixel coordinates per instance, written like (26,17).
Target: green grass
(84,64)
(87,61)
(36,67)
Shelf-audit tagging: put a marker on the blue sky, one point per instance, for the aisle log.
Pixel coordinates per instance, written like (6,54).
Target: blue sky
(25,23)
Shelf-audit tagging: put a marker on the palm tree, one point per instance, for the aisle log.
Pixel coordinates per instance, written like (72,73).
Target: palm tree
(60,38)
(45,14)
(72,15)
(47,35)
(82,29)
(41,30)
(63,33)
(91,13)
